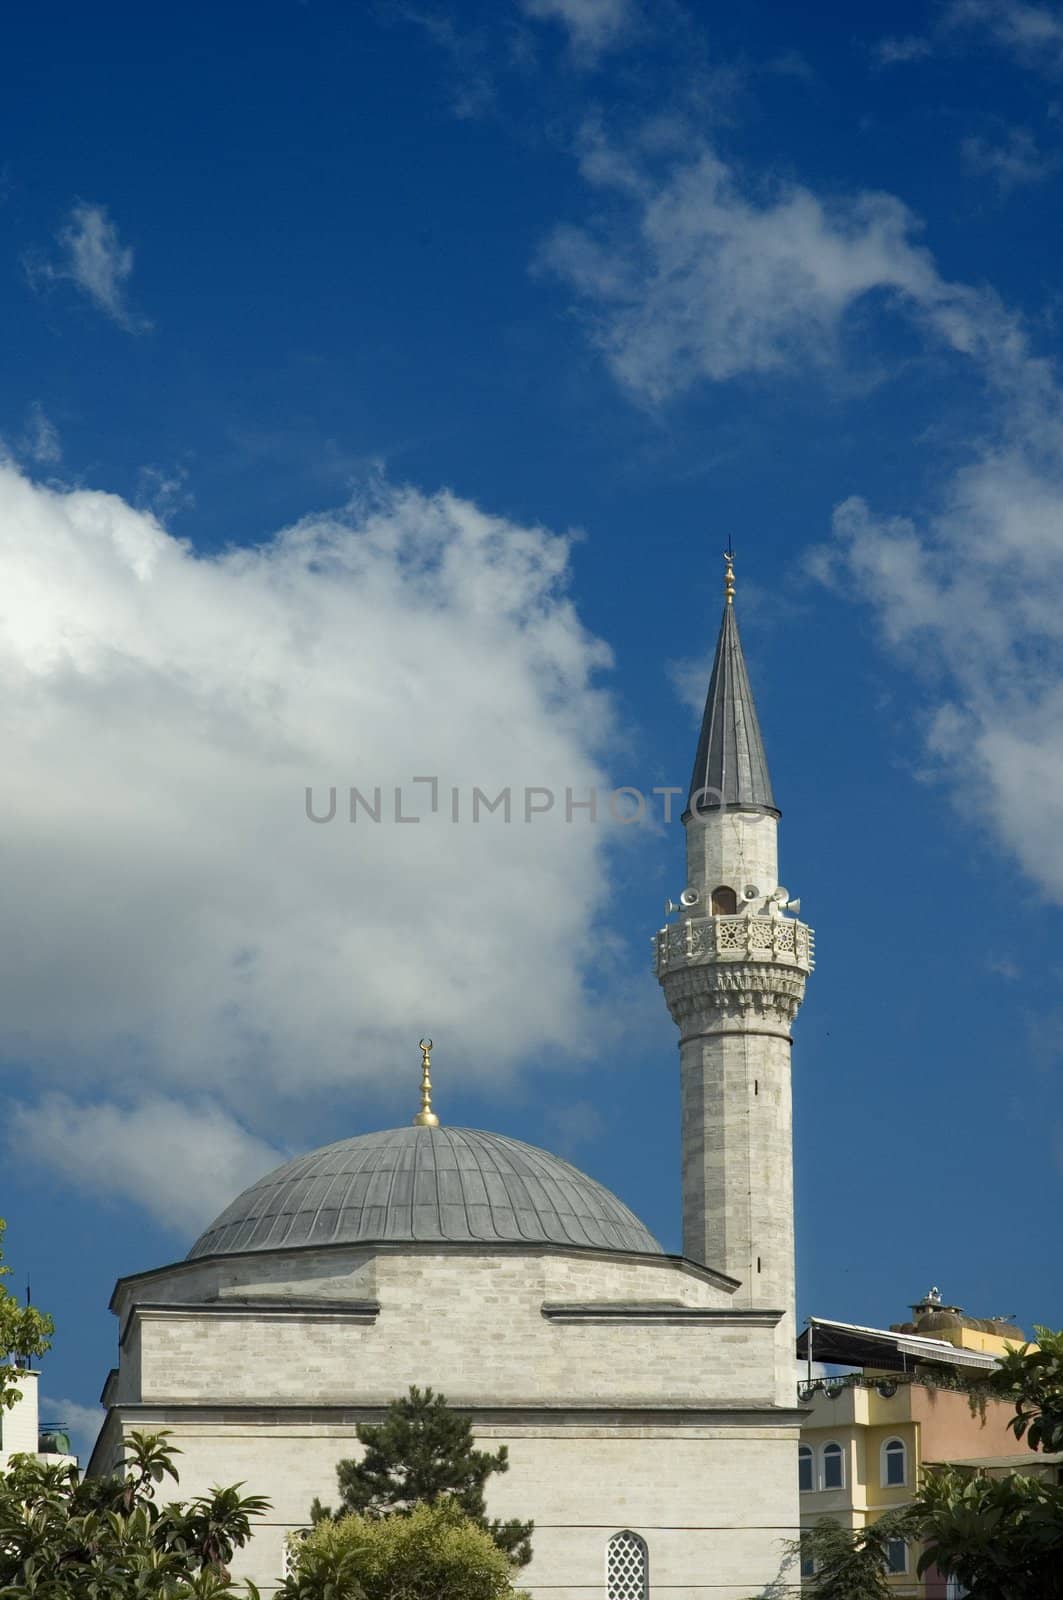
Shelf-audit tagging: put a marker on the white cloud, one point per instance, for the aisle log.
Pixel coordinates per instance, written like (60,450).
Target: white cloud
(40,438)
(580,1123)
(182,926)
(93,258)
(1011,162)
(891,52)
(182,1162)
(470,76)
(593,25)
(693,274)
(971,599)
(689,676)
(1031,33)
(164,492)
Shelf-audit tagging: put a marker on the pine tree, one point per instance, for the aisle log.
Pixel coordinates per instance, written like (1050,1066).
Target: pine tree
(422,1452)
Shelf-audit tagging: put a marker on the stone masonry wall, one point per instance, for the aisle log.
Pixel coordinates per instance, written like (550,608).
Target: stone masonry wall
(453,1320)
(713,1502)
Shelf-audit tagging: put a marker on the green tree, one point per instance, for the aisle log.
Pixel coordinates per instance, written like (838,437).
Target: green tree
(1033,1380)
(430,1552)
(420,1454)
(25,1333)
(1003,1537)
(63,1537)
(849,1565)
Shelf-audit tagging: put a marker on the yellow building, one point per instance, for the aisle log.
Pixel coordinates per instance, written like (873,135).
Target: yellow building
(904,1404)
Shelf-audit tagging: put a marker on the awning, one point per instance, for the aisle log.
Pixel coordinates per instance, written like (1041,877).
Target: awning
(846,1344)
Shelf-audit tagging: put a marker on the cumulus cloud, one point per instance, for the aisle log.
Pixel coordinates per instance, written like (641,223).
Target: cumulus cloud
(39,441)
(182,1162)
(575,1125)
(94,259)
(176,926)
(467,53)
(689,676)
(689,273)
(692,272)
(164,491)
(1011,162)
(1033,34)
(593,25)
(971,598)
(900,50)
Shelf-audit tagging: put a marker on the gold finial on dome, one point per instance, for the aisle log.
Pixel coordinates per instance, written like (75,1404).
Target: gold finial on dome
(729,575)
(426,1117)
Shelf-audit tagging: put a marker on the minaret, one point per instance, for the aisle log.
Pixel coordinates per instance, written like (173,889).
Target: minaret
(733,971)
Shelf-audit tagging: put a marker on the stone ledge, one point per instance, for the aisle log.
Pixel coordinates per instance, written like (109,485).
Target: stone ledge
(264,1310)
(634,1311)
(606,1419)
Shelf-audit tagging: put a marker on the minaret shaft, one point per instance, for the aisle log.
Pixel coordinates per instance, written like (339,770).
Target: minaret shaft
(738,1161)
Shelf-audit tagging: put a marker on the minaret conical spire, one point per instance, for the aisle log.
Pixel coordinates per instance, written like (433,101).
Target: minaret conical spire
(730,768)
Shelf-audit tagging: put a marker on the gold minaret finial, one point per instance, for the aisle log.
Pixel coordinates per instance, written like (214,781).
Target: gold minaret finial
(426,1117)
(729,575)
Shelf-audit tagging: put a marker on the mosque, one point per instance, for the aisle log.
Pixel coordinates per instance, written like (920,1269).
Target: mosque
(648,1400)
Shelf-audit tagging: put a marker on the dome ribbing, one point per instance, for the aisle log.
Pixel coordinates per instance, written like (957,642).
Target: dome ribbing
(424,1185)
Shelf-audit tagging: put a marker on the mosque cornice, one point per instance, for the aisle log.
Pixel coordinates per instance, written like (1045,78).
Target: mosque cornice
(262,1306)
(266,1309)
(642,1311)
(516,1414)
(366,1249)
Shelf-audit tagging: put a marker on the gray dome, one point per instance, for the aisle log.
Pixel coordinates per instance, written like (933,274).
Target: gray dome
(420,1185)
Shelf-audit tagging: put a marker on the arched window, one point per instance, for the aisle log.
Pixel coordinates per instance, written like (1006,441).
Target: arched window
(724,902)
(805,1477)
(627,1567)
(833,1466)
(894,1464)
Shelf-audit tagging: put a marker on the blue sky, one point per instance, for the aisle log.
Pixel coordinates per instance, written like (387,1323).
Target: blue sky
(381,386)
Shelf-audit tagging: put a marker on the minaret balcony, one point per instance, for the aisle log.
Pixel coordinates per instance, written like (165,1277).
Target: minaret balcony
(782,941)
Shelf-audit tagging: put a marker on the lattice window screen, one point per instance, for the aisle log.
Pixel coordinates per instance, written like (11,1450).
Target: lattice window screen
(292,1541)
(627,1575)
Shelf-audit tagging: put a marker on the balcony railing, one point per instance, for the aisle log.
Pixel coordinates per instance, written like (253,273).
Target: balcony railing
(887,1383)
(775,939)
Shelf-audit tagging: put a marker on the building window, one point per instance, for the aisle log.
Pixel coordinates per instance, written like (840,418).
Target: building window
(292,1541)
(833,1467)
(724,902)
(896,1555)
(805,1480)
(894,1463)
(808,1566)
(627,1567)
